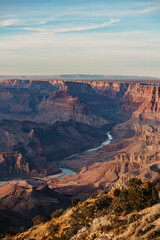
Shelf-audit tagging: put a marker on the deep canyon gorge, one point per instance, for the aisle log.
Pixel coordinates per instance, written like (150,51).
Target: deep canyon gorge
(44,122)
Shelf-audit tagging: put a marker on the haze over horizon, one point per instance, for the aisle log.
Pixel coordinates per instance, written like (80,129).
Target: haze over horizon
(87,37)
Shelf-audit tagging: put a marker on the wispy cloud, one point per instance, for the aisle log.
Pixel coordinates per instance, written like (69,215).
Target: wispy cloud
(130,10)
(80,36)
(84,28)
(131,52)
(149,9)
(73,29)
(8,22)
(21,22)
(102,41)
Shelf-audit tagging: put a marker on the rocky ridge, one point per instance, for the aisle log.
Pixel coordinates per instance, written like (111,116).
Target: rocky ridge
(97,218)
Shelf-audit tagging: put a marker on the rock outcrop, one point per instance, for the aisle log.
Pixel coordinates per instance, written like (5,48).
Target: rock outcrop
(21,201)
(95,219)
(13,165)
(110,89)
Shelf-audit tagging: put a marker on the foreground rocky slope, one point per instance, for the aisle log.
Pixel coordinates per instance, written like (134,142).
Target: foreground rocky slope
(126,212)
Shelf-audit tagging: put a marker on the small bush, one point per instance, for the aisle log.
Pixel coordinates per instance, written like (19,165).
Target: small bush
(68,233)
(104,228)
(38,220)
(118,230)
(102,203)
(94,195)
(74,202)
(53,229)
(57,213)
(136,197)
(116,192)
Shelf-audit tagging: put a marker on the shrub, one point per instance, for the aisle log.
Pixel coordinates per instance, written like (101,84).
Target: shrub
(102,202)
(38,220)
(118,230)
(54,238)
(57,213)
(136,197)
(104,228)
(116,192)
(94,195)
(68,233)
(53,229)
(74,202)
(81,216)
(134,182)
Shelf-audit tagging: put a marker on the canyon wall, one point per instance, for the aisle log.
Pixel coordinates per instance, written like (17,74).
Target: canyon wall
(135,106)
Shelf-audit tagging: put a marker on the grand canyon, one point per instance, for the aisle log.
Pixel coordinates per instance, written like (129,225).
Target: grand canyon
(79,120)
(63,139)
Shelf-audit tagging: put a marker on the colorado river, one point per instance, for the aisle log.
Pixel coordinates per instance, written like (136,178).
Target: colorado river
(68,172)
(106,142)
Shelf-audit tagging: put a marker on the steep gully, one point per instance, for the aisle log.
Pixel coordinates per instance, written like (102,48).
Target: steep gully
(69,172)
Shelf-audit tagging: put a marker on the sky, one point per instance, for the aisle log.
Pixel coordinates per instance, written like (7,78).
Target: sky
(110,37)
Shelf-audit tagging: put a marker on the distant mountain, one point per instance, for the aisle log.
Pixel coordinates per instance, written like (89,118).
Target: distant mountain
(74,76)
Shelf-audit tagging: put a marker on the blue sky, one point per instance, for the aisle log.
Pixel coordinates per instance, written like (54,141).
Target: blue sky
(120,37)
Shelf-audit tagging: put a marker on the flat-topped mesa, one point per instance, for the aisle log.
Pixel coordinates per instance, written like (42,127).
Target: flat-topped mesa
(57,83)
(135,158)
(31,84)
(77,88)
(141,90)
(109,89)
(14,83)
